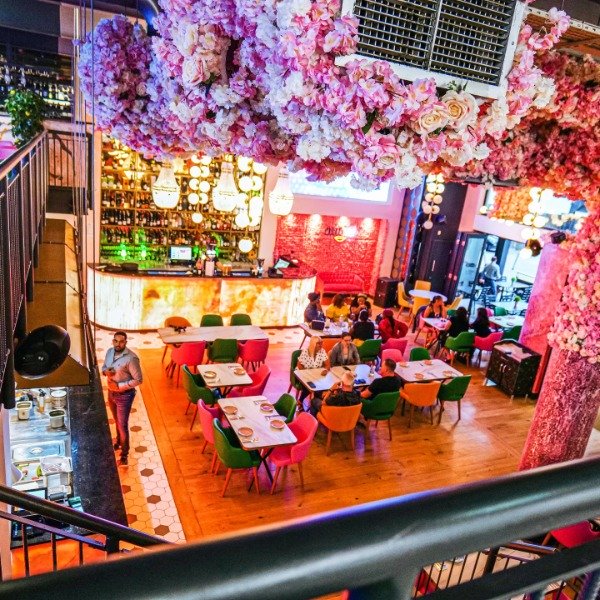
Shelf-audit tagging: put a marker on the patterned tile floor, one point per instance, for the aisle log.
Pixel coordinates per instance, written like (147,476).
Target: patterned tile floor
(148,499)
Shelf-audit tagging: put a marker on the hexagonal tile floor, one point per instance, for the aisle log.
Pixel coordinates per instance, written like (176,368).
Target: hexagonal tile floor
(148,499)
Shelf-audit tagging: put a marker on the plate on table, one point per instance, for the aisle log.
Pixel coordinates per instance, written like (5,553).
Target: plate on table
(239,371)
(230,410)
(209,374)
(403,364)
(277,424)
(448,373)
(419,376)
(428,362)
(266,407)
(245,431)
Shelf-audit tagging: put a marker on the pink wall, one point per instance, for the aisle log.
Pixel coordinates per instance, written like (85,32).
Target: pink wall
(312,239)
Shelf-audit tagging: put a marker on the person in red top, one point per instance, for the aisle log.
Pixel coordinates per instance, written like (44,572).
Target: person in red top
(390,327)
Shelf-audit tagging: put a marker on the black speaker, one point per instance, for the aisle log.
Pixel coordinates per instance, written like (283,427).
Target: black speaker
(42,351)
(386,292)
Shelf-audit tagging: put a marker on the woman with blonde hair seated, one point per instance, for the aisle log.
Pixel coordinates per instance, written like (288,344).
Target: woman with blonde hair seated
(313,357)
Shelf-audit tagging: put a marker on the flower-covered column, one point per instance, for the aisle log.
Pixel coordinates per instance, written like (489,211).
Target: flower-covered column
(570,397)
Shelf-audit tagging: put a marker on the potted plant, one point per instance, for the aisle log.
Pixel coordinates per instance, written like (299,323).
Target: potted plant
(517,300)
(26,111)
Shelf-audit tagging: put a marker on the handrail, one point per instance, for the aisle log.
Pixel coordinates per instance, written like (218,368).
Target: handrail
(10,162)
(378,546)
(51,510)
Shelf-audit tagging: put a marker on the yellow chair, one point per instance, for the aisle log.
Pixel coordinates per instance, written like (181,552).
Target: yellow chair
(456,303)
(339,419)
(420,284)
(416,305)
(420,394)
(404,301)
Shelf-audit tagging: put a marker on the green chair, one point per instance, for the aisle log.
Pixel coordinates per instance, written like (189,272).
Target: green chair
(286,407)
(451,312)
(380,408)
(513,333)
(232,456)
(193,385)
(294,383)
(499,311)
(419,353)
(461,344)
(453,391)
(369,351)
(223,351)
(211,321)
(240,319)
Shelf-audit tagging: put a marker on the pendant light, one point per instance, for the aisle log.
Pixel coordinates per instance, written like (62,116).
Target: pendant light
(281,198)
(225,195)
(245,245)
(165,190)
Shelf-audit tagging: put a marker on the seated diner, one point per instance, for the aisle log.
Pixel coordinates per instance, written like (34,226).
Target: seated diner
(363,329)
(388,382)
(338,309)
(344,352)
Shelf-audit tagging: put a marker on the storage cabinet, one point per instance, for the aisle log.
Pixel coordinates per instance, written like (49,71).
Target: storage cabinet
(132,227)
(386,292)
(513,368)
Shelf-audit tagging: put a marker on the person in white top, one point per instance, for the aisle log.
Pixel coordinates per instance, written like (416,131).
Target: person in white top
(313,357)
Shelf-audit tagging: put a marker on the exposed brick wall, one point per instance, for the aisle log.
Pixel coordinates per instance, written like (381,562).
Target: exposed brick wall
(311,239)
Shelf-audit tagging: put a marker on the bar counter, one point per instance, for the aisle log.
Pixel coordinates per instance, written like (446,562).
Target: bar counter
(140,301)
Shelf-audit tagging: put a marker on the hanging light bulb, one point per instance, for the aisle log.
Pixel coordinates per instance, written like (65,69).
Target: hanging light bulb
(281,198)
(526,233)
(206,160)
(197,217)
(241,202)
(429,197)
(242,219)
(526,252)
(535,192)
(528,219)
(254,220)
(204,187)
(244,163)
(427,225)
(203,198)
(255,206)
(439,188)
(259,168)
(546,195)
(435,209)
(194,184)
(165,190)
(194,158)
(193,198)
(245,245)
(437,199)
(431,187)
(225,194)
(431,178)
(257,183)
(204,172)
(426,208)
(195,171)
(439,178)
(540,221)
(245,183)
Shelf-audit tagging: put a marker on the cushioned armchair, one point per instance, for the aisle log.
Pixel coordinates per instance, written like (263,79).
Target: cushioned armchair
(380,408)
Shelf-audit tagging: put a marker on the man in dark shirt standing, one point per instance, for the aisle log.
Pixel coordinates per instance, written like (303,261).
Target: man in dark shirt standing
(388,382)
(122,369)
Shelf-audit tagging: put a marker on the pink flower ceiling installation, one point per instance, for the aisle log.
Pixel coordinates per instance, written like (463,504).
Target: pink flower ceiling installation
(577,325)
(558,146)
(510,204)
(259,78)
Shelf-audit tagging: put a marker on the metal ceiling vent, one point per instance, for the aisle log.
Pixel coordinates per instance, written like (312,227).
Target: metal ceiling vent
(458,41)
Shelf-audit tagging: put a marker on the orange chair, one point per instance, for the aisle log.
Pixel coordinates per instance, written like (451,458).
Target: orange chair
(174,322)
(329,343)
(190,354)
(421,284)
(339,419)
(420,394)
(253,353)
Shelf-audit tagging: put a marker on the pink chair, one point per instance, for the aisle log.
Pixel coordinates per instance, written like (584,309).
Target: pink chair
(259,383)
(392,353)
(207,414)
(304,428)
(190,354)
(573,535)
(421,327)
(486,344)
(253,353)
(395,344)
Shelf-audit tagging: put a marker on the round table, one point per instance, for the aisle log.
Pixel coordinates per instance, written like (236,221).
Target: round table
(426,294)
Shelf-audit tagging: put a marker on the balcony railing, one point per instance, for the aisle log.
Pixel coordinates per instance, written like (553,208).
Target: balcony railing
(377,551)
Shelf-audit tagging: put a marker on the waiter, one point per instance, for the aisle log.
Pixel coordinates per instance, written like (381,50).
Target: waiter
(122,369)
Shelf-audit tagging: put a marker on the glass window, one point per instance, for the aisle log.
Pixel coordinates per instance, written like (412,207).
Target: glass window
(338,188)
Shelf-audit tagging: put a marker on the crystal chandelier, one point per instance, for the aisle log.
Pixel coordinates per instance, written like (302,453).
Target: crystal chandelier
(281,198)
(225,195)
(165,190)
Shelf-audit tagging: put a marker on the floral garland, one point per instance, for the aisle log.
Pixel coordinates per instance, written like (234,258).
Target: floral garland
(557,147)
(577,326)
(259,78)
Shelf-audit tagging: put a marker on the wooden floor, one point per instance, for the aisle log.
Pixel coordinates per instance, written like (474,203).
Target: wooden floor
(486,442)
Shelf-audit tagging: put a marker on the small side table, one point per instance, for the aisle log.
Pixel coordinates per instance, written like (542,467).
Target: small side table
(513,368)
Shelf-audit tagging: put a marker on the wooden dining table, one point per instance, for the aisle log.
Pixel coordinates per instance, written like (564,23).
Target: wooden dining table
(423,371)
(315,381)
(251,413)
(209,334)
(224,376)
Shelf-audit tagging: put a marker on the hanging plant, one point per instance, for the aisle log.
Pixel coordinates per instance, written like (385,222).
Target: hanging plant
(26,111)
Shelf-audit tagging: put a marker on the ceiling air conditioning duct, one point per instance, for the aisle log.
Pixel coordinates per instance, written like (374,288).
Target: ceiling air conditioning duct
(466,42)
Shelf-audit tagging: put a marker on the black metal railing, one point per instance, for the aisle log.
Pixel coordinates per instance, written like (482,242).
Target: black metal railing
(58,522)
(23,193)
(376,550)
